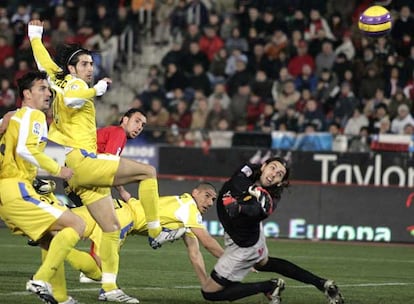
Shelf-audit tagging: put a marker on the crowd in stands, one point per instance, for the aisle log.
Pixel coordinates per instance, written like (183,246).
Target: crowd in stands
(237,65)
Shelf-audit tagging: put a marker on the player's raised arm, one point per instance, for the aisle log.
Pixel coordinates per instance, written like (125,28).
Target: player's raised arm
(196,258)
(43,60)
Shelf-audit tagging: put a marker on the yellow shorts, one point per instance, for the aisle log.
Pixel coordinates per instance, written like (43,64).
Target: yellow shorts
(24,211)
(93,174)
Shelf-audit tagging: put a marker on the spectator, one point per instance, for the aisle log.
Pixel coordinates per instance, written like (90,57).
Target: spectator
(403,25)
(7,97)
(240,77)
(112,119)
(175,55)
(235,41)
(370,83)
(215,115)
(393,82)
(258,60)
(220,94)
(178,20)
(398,99)
(325,59)
(195,55)
(380,114)
(296,62)
(162,16)
(327,88)
(210,43)
(316,23)
(6,50)
(344,105)
(199,79)
(192,34)
(306,79)
(217,70)
(402,119)
(157,120)
(361,142)
(268,120)
(289,120)
(231,64)
(197,13)
(370,106)
(106,43)
(312,116)
(356,122)
(199,115)
(277,42)
(154,90)
(254,110)
(346,47)
(63,34)
(262,86)
(238,106)
(289,96)
(174,78)
(181,116)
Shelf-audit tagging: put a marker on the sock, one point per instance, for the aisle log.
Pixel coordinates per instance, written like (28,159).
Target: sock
(58,281)
(83,261)
(292,271)
(109,254)
(148,195)
(59,248)
(238,290)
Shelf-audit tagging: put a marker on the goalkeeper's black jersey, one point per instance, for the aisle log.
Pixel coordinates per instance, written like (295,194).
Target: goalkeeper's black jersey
(243,229)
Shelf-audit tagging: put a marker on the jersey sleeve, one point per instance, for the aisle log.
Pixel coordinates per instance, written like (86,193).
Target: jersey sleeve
(43,60)
(77,92)
(32,139)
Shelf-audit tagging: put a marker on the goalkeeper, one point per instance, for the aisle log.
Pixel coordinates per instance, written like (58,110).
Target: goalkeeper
(182,213)
(244,201)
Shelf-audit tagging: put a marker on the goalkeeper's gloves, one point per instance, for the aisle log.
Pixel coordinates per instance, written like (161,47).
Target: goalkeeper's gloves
(34,31)
(100,87)
(44,186)
(231,205)
(263,198)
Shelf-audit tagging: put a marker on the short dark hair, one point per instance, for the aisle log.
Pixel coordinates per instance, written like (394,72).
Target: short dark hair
(130,112)
(26,82)
(205,185)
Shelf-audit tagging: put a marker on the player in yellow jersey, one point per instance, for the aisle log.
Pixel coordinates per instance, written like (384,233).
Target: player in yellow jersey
(74,128)
(181,211)
(23,210)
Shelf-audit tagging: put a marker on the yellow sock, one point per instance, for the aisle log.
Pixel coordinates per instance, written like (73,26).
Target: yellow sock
(109,255)
(83,261)
(148,195)
(58,281)
(59,248)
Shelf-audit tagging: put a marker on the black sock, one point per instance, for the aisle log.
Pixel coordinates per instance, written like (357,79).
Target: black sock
(238,290)
(292,271)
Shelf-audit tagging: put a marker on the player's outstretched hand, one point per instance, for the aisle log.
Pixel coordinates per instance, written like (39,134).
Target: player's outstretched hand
(35,29)
(102,85)
(65,173)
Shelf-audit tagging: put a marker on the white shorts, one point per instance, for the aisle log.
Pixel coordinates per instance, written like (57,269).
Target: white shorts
(236,262)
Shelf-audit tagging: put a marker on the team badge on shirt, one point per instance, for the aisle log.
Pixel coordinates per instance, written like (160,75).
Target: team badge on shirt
(37,128)
(247,171)
(74,87)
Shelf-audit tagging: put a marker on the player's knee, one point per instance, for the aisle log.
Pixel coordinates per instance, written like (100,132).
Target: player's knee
(151,172)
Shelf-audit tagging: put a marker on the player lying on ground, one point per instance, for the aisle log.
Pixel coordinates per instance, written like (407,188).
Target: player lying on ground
(183,212)
(244,201)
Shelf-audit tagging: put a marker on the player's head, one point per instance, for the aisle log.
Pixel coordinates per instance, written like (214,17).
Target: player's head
(34,90)
(75,60)
(274,172)
(204,195)
(133,122)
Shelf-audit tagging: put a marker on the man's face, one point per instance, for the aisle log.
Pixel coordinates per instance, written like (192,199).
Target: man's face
(38,97)
(204,198)
(134,125)
(272,174)
(84,68)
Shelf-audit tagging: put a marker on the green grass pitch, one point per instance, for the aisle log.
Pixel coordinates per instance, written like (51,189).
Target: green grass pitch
(366,273)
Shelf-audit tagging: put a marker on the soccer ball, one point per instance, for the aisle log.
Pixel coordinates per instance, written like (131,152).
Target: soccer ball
(375,21)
